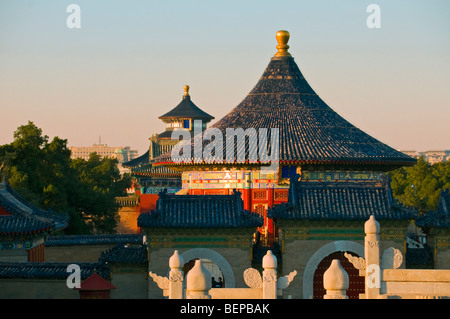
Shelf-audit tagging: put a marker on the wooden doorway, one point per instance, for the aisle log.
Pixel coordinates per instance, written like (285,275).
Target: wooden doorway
(356,282)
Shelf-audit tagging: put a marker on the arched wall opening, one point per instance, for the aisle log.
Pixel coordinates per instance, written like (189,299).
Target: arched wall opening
(320,260)
(216,258)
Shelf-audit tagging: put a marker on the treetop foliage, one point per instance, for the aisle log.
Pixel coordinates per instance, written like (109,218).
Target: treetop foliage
(420,185)
(44,173)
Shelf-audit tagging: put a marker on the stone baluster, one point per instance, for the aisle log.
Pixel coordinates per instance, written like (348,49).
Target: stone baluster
(335,281)
(176,276)
(269,264)
(198,282)
(372,257)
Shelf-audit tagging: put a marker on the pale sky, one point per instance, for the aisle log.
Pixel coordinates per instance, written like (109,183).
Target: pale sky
(129,61)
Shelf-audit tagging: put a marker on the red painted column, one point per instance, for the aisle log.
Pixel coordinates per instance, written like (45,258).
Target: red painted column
(247,199)
(269,221)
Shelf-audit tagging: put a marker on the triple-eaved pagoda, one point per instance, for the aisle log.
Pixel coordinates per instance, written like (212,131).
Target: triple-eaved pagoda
(328,178)
(149,180)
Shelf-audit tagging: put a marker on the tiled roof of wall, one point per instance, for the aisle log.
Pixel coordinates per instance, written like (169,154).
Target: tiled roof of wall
(103,239)
(25,217)
(45,270)
(125,254)
(340,201)
(199,211)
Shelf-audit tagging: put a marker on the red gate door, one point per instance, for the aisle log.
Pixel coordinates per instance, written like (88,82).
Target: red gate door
(356,282)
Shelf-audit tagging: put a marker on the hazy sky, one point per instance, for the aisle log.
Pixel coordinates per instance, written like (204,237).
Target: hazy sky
(129,61)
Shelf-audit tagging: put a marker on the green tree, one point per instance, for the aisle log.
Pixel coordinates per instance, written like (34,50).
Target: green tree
(101,183)
(43,173)
(420,185)
(21,160)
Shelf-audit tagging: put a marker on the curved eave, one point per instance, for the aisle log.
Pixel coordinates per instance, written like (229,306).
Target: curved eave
(27,232)
(194,226)
(157,175)
(181,116)
(349,162)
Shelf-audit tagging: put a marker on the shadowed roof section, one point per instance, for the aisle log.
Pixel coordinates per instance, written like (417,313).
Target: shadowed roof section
(340,201)
(310,131)
(200,211)
(439,218)
(18,216)
(46,270)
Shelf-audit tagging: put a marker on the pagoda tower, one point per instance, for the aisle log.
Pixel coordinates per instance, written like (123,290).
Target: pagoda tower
(150,180)
(314,144)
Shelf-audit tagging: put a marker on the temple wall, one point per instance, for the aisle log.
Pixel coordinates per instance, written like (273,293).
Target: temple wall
(36,289)
(129,286)
(13,256)
(147,202)
(80,254)
(128,220)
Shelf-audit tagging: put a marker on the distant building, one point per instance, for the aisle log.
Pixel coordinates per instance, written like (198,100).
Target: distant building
(431,156)
(123,154)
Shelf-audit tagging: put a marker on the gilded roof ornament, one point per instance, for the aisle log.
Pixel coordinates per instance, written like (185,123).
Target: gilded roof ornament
(282,39)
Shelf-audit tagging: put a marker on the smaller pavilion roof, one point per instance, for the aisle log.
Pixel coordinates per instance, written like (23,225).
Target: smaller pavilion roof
(186,109)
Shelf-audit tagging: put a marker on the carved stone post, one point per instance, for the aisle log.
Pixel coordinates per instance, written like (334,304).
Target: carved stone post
(198,282)
(372,257)
(176,276)
(269,264)
(335,281)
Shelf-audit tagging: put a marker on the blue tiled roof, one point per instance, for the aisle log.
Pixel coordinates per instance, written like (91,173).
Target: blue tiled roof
(439,218)
(105,239)
(340,201)
(25,217)
(141,160)
(199,211)
(125,254)
(310,131)
(22,224)
(157,172)
(187,109)
(45,270)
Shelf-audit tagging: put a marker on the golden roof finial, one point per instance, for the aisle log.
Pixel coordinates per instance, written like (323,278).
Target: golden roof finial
(186,90)
(282,39)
